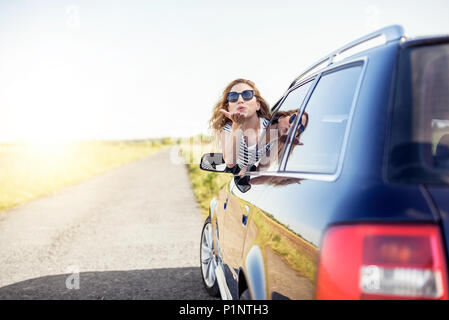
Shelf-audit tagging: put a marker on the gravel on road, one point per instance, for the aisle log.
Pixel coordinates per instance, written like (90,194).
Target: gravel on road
(131,233)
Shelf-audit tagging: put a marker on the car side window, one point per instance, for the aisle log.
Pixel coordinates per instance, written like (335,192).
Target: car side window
(318,142)
(294,99)
(276,133)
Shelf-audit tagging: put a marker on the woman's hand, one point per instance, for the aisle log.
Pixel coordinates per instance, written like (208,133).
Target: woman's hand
(237,118)
(297,142)
(231,140)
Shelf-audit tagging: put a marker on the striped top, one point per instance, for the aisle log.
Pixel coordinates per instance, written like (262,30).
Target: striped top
(249,154)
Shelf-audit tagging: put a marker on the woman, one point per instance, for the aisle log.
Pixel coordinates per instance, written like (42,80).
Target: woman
(283,120)
(239,117)
(277,137)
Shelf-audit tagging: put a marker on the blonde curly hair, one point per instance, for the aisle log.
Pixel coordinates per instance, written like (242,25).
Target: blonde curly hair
(219,120)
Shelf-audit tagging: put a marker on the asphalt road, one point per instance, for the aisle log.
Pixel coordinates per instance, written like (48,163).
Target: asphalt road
(131,233)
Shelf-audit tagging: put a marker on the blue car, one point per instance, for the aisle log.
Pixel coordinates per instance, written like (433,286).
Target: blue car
(354,204)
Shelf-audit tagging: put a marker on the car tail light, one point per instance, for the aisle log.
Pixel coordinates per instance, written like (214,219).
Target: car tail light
(382,262)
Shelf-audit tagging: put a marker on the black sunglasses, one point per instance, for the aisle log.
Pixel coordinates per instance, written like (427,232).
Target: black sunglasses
(292,118)
(234,96)
(301,127)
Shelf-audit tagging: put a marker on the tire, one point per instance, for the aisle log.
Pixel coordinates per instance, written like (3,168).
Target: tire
(208,260)
(246,295)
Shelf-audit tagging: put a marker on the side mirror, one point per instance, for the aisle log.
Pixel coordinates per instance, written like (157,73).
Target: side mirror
(213,162)
(242,183)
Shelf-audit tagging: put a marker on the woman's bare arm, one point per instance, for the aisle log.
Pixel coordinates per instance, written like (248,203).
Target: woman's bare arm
(230,141)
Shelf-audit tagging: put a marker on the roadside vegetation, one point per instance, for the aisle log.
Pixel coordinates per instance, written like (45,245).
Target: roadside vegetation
(205,184)
(32,170)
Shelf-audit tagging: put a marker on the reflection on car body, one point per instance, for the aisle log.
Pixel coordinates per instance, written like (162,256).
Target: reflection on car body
(352,203)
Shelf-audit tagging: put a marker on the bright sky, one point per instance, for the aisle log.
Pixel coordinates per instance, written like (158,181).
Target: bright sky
(136,69)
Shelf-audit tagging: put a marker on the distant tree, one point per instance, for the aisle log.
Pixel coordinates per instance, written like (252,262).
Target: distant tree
(167,141)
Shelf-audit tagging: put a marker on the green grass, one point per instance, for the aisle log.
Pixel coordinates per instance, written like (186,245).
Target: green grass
(205,184)
(30,171)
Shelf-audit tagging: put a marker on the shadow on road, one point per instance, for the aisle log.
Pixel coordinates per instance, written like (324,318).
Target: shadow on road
(170,284)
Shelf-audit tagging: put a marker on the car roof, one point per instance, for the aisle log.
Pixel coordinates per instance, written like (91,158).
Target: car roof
(387,34)
(424,40)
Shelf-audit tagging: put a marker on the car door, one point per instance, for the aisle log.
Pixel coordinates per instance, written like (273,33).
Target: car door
(298,200)
(218,219)
(239,206)
(240,203)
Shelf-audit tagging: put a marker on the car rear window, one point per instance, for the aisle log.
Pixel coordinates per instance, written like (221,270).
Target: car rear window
(420,122)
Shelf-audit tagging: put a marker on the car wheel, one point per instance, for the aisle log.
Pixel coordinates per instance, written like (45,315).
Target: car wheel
(246,295)
(208,260)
